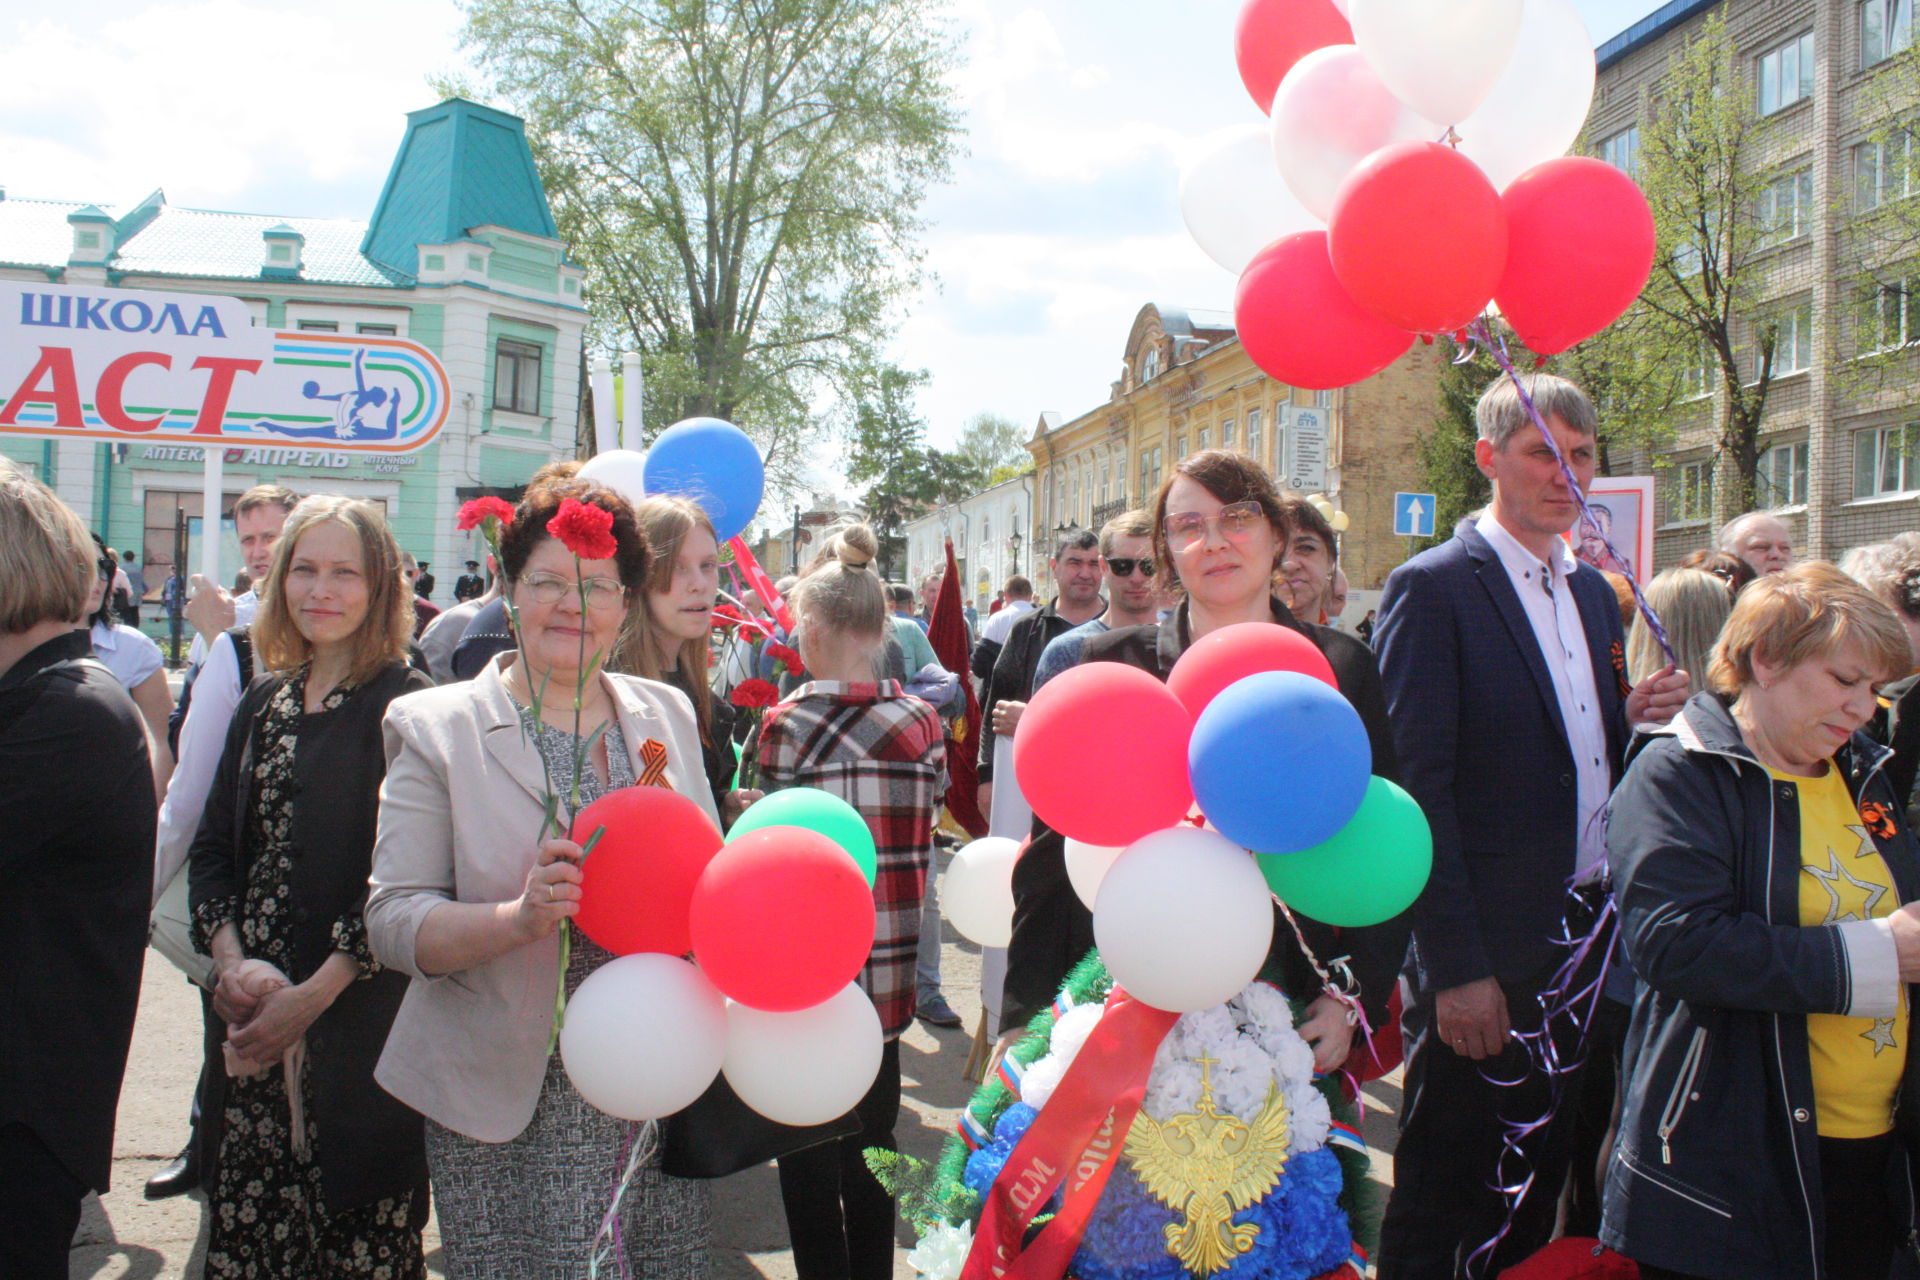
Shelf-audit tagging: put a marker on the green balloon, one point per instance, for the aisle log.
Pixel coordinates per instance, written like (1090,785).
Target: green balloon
(1370,871)
(816,810)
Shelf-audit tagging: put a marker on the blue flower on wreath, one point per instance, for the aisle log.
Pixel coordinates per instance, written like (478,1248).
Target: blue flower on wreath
(984,1165)
(1303,1230)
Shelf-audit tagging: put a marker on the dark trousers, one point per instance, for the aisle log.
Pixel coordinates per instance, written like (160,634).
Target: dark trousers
(1449,1158)
(39,1207)
(839,1218)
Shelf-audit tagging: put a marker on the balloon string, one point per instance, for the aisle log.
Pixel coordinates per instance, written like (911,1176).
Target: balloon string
(640,1144)
(1496,346)
(1341,987)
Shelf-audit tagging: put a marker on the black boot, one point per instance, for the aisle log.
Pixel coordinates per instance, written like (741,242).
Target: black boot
(178,1175)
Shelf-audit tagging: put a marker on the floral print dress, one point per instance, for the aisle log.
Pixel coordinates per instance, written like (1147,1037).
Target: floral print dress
(267,1207)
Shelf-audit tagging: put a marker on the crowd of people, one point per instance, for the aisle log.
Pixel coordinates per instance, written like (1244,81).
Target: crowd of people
(1654,992)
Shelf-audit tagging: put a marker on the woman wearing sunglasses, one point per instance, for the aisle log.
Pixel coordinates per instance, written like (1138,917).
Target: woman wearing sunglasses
(1220,533)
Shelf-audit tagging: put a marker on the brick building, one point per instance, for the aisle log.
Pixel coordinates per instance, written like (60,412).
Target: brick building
(1841,435)
(1187,384)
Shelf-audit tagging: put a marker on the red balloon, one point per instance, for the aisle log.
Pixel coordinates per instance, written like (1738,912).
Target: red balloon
(1217,659)
(1299,325)
(1101,754)
(1272,35)
(637,882)
(782,919)
(1579,249)
(1418,237)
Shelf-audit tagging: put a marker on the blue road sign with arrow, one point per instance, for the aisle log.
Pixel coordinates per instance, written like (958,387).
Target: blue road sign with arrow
(1413,515)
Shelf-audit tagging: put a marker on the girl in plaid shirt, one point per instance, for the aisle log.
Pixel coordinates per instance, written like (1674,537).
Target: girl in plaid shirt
(882,751)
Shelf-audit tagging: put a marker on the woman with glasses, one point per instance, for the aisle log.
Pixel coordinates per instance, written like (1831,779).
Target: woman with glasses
(468,895)
(1220,533)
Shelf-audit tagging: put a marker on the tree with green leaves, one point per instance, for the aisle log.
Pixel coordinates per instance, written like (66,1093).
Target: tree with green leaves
(740,179)
(888,453)
(1698,348)
(994,446)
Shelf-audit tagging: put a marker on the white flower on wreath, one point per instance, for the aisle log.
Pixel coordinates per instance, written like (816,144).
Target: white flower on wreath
(941,1253)
(1253,1043)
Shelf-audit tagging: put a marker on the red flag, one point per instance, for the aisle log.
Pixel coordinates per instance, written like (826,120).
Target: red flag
(947,629)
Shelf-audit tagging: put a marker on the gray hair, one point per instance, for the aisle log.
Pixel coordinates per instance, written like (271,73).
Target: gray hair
(1733,530)
(1499,412)
(1881,566)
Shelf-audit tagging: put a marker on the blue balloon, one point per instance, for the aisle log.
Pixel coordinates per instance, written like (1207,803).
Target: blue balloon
(1279,761)
(713,463)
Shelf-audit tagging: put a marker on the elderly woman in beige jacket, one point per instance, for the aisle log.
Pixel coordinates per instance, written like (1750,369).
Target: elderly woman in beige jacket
(467,899)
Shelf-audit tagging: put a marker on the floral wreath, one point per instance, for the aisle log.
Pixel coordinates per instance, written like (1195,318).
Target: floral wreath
(1241,1062)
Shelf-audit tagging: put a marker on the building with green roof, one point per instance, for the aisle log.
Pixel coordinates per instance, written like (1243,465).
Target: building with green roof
(460,255)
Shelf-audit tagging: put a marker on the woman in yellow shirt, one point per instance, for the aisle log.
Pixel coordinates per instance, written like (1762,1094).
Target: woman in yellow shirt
(1761,869)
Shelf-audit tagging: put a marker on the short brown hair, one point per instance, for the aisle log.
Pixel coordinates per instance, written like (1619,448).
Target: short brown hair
(1304,517)
(542,503)
(46,556)
(1128,524)
(1735,572)
(388,626)
(1019,587)
(265,495)
(1230,477)
(1801,614)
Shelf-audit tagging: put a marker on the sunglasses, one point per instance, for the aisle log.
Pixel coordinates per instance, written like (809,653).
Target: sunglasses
(1123,566)
(1236,522)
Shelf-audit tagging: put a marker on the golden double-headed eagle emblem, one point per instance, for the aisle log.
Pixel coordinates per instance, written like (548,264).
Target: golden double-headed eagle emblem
(1208,1166)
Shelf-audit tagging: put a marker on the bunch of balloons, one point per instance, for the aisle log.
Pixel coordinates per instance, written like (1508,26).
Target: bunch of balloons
(1412,169)
(778,919)
(710,461)
(1163,790)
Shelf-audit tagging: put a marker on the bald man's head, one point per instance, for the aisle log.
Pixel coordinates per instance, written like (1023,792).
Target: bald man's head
(1760,538)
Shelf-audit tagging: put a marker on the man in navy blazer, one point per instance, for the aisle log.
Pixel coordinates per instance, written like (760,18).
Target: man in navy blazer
(1502,659)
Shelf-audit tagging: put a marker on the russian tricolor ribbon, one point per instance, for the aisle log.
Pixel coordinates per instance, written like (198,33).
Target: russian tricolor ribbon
(1075,1140)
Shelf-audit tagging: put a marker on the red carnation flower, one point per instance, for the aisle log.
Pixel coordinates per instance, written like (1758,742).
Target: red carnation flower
(787,657)
(479,510)
(754,694)
(586,530)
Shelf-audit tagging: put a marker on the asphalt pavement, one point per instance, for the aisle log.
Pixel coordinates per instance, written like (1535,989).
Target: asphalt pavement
(125,1237)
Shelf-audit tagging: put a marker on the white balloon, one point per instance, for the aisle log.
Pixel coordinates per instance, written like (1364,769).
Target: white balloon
(619,470)
(1330,113)
(644,1036)
(1538,106)
(1439,59)
(977,895)
(1087,866)
(1234,200)
(1184,919)
(805,1067)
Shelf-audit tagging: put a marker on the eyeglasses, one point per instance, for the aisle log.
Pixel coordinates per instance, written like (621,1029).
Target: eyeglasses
(1236,522)
(1123,566)
(547,588)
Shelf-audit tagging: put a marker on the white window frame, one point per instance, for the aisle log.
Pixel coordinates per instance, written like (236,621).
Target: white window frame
(1784,208)
(1877,43)
(1783,75)
(1780,475)
(1792,343)
(509,400)
(1253,435)
(1692,501)
(1875,449)
(1621,149)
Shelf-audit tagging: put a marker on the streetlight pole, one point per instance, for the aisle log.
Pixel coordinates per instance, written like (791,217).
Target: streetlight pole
(796,542)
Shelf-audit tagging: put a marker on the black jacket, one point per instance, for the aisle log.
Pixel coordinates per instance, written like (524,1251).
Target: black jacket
(1715,1172)
(1013,667)
(1052,928)
(77,819)
(371,1146)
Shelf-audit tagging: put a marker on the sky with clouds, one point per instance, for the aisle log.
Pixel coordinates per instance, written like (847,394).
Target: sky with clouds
(1061,222)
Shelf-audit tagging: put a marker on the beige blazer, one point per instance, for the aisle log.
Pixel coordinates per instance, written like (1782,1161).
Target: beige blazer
(460,815)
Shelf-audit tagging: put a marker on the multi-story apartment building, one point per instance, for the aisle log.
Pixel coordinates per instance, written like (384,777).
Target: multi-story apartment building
(1840,438)
(990,531)
(1186,384)
(461,256)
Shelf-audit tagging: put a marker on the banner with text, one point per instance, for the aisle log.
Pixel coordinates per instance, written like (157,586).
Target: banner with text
(184,368)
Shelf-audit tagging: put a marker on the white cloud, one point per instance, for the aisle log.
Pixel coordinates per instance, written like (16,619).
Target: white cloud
(219,101)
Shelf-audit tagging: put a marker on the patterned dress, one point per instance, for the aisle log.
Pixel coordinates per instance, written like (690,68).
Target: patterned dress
(528,1208)
(267,1207)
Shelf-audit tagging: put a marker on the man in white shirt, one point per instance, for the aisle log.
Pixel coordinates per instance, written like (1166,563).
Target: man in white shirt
(214,690)
(1502,657)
